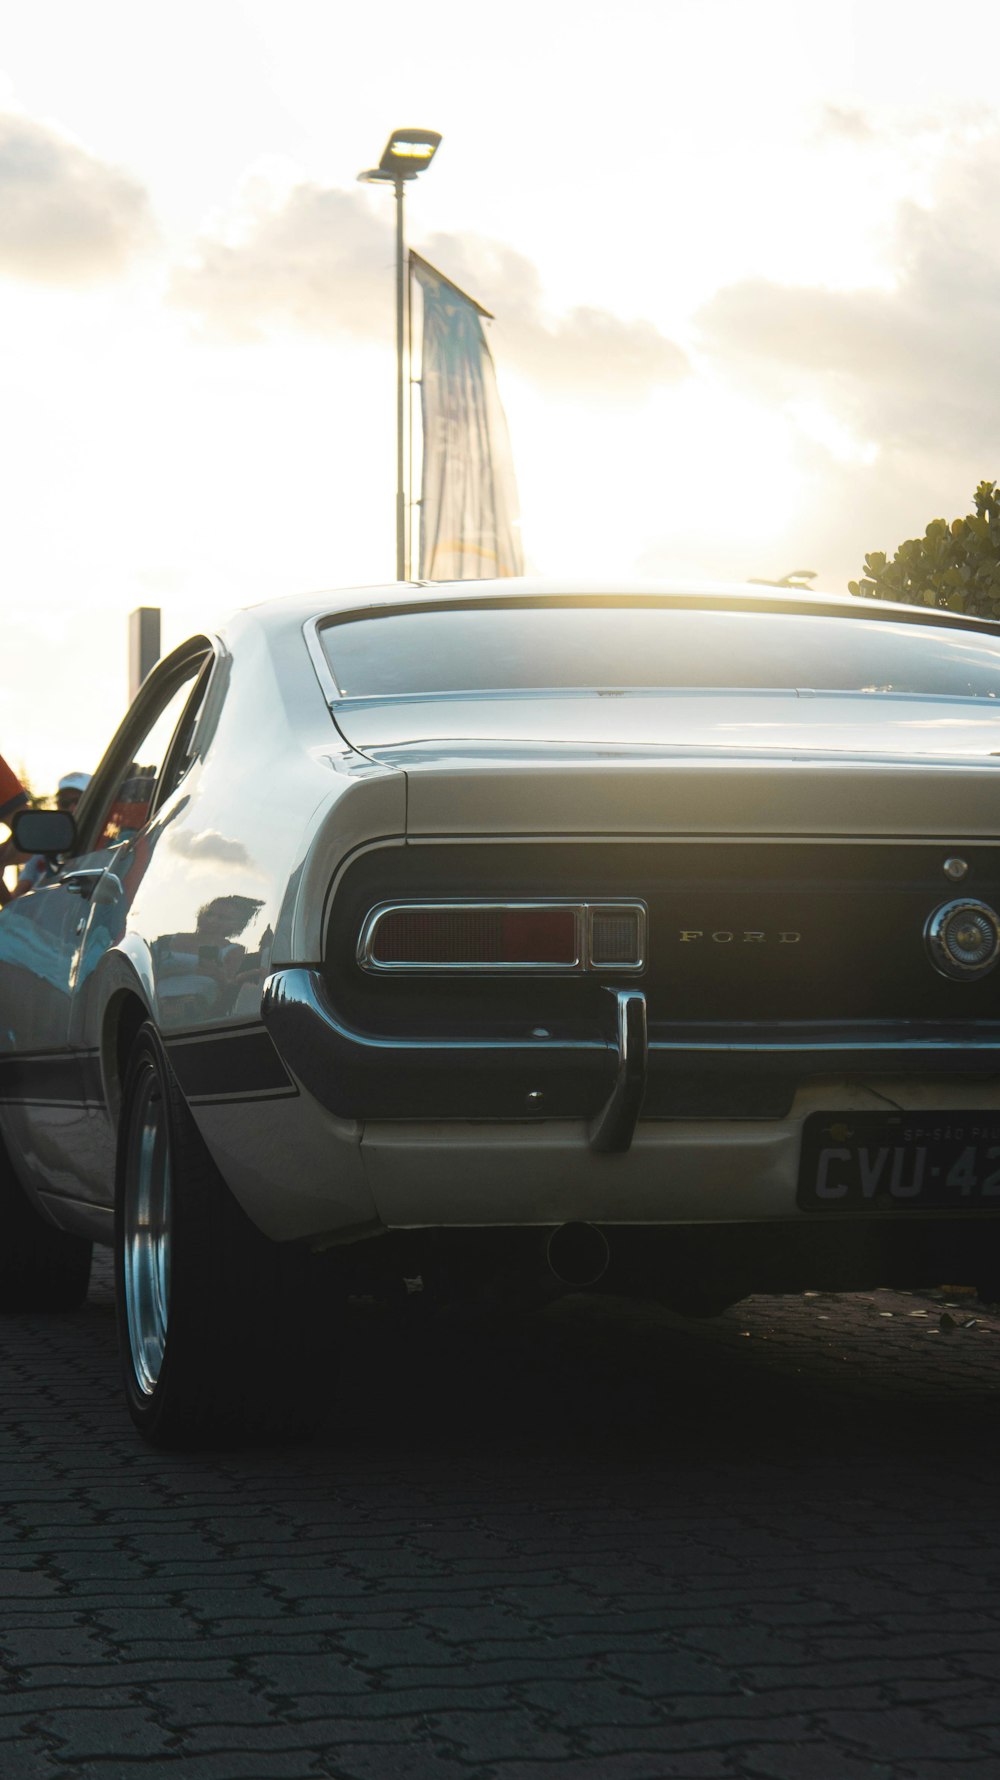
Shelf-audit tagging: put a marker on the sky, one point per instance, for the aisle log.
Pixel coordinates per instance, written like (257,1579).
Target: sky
(742,257)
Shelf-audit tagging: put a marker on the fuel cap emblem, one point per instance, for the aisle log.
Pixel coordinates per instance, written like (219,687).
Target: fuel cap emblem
(963,938)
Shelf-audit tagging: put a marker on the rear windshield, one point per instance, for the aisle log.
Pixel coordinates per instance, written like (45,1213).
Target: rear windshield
(533,648)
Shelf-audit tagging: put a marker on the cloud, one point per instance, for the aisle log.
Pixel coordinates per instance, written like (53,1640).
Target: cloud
(585,346)
(209,845)
(319,260)
(913,366)
(68,218)
(847,123)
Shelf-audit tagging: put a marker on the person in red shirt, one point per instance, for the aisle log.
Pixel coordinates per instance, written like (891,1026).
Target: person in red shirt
(12,797)
(40,867)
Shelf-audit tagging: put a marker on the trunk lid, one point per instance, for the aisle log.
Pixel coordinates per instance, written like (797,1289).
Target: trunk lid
(689,762)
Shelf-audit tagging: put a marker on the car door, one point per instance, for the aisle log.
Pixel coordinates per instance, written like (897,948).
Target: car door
(51,937)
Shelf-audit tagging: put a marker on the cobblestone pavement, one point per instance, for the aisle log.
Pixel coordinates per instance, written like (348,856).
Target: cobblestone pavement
(594,1544)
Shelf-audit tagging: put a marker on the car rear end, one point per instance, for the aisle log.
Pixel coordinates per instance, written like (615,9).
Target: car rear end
(667,967)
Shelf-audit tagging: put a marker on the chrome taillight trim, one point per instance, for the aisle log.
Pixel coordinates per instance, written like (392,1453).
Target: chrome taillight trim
(583,914)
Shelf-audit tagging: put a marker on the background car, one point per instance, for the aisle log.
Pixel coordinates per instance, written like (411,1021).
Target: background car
(507,937)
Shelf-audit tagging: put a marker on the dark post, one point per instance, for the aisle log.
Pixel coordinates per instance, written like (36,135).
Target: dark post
(143,645)
(406,154)
(400,458)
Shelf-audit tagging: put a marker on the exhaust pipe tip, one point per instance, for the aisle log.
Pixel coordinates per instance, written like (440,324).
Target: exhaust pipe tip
(578,1254)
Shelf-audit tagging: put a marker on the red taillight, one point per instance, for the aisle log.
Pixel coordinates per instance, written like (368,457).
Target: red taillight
(482,936)
(503,936)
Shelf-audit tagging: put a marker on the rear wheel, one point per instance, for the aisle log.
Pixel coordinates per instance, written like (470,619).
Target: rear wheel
(41,1268)
(217,1326)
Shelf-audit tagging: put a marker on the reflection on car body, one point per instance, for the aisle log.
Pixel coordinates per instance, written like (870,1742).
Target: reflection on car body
(637,939)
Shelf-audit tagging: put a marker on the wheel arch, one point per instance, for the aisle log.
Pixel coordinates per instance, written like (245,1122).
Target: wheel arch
(125,1013)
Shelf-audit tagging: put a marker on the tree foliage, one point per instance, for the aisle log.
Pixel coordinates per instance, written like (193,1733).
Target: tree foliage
(954,566)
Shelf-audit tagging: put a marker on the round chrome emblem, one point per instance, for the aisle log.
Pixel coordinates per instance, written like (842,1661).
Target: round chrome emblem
(963,938)
(955,869)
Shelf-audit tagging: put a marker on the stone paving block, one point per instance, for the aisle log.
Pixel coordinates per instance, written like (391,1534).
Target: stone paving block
(726,1735)
(124,1666)
(901,1734)
(408,1647)
(631,1765)
(249,1606)
(751,1709)
(179,1705)
(37,1700)
(485,1736)
(392,1696)
(128,1627)
(359,1761)
(180,1550)
(82,1734)
(326,1726)
(535,1643)
(986,1735)
(29,1584)
(298,1672)
(816,1761)
(223,1764)
(757,1646)
(980,1665)
(664,1673)
(265,1738)
(24,1758)
(883,1668)
(40,1642)
(949,1628)
(975,1709)
(956,1687)
(596,1699)
(101,1562)
(383,1615)
(551,1602)
(397,1692)
(230,1648)
(980,1768)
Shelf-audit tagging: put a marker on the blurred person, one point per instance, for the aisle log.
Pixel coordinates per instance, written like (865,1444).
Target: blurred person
(69,791)
(207,968)
(12,797)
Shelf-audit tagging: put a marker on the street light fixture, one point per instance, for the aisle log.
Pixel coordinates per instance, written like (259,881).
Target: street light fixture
(406,154)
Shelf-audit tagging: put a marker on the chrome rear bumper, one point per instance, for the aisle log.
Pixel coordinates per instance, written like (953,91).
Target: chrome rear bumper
(614,1067)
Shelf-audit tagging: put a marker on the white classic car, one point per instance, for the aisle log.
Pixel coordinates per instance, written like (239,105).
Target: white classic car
(469,936)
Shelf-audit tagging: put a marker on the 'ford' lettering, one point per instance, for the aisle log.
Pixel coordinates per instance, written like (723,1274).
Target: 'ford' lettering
(727,936)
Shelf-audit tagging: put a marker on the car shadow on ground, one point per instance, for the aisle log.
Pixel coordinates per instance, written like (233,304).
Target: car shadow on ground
(884,1374)
(781,1378)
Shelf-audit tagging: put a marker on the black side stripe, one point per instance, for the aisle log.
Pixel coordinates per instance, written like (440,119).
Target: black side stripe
(214,1067)
(240,1064)
(52,1078)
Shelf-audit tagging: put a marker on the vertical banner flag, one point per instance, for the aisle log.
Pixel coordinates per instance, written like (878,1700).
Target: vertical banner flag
(468,494)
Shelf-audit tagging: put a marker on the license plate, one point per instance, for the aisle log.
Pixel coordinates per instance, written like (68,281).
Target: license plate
(900,1162)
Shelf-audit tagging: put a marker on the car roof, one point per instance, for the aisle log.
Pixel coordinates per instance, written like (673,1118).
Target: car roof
(300,609)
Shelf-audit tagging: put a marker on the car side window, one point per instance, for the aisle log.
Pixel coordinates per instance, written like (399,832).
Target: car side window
(139,782)
(180,751)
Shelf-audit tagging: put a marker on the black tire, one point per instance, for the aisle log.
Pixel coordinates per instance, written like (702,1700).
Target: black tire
(41,1268)
(221,1345)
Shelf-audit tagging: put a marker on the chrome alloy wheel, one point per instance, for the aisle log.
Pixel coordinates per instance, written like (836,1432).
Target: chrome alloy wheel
(146,1215)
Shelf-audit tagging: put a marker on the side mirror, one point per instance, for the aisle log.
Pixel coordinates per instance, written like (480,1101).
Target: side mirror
(44,831)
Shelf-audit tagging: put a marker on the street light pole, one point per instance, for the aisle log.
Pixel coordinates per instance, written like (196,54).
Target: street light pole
(402,565)
(406,154)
